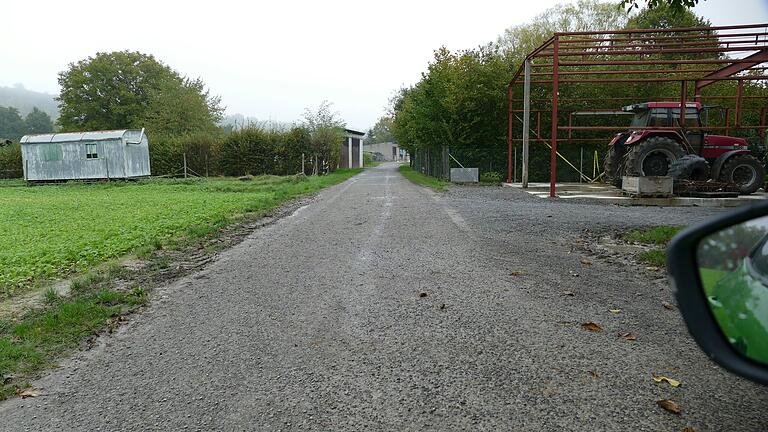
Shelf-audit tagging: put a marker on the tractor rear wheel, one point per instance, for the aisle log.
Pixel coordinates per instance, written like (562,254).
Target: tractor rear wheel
(689,167)
(653,156)
(613,164)
(745,171)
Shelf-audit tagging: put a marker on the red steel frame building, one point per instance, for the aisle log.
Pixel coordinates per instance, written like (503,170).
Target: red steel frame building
(698,55)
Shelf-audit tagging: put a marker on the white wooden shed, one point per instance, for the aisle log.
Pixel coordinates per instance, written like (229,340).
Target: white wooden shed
(116,154)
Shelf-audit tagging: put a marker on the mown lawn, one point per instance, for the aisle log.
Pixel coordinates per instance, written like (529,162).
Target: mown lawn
(53,231)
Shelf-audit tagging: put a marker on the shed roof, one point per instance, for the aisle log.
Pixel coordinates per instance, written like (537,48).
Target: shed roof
(76,136)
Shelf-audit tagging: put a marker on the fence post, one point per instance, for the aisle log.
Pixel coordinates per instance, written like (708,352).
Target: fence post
(185,165)
(302,163)
(581,163)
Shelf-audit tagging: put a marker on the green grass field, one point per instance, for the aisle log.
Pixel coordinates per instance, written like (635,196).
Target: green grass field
(421,179)
(53,231)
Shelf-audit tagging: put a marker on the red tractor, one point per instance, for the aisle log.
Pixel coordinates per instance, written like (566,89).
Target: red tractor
(680,151)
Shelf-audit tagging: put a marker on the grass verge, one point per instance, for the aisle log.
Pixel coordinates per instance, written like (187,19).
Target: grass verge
(656,236)
(421,179)
(96,301)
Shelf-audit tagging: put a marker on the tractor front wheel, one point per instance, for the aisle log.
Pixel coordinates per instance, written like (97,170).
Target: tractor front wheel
(745,171)
(653,156)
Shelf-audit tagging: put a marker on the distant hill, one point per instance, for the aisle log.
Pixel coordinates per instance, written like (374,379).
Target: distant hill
(24,100)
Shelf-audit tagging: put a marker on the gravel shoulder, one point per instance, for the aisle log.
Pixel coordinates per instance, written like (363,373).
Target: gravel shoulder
(382,305)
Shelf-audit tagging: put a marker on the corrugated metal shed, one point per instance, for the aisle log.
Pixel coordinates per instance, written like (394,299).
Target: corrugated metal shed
(86,155)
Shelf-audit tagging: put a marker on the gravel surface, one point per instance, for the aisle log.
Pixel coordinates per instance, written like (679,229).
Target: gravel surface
(385,306)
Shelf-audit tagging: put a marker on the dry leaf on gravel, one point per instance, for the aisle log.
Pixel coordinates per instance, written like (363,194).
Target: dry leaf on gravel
(669,405)
(594,374)
(689,429)
(668,306)
(670,381)
(593,327)
(516,273)
(617,310)
(628,336)
(586,261)
(27,393)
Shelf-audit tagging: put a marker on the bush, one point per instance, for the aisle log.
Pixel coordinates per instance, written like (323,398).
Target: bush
(203,151)
(10,161)
(490,177)
(255,151)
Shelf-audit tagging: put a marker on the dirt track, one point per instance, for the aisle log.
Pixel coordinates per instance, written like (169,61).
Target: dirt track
(382,305)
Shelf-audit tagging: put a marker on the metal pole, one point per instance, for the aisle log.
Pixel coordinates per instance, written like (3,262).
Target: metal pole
(510,116)
(514,173)
(185,165)
(581,163)
(526,119)
(302,163)
(739,94)
(553,157)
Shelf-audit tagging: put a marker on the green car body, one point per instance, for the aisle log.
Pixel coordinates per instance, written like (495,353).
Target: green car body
(739,302)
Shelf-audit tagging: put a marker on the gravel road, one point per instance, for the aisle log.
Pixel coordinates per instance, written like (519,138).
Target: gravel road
(385,306)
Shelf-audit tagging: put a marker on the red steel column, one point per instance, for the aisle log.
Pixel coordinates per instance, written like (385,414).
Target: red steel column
(509,133)
(555,66)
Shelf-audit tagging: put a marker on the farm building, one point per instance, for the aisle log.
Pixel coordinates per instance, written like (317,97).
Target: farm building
(352,149)
(390,150)
(116,154)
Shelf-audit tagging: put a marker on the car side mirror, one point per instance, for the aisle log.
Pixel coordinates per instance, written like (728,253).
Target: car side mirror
(719,270)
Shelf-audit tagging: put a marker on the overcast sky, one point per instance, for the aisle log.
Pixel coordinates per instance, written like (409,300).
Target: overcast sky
(271,60)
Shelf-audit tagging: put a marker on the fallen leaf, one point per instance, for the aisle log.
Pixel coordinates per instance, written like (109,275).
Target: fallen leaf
(670,381)
(617,310)
(27,393)
(668,306)
(628,336)
(585,261)
(442,306)
(593,327)
(669,406)
(689,429)
(422,294)
(594,374)
(516,273)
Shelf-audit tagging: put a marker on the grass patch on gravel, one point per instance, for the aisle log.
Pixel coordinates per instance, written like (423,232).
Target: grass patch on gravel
(42,336)
(660,235)
(421,179)
(656,236)
(57,231)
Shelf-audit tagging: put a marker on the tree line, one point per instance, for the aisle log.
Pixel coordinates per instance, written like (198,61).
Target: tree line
(132,90)
(461,99)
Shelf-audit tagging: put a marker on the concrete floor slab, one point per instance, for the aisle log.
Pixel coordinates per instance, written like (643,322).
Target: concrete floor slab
(603,193)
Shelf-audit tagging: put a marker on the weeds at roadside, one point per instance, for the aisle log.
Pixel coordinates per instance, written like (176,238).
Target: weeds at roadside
(423,180)
(656,236)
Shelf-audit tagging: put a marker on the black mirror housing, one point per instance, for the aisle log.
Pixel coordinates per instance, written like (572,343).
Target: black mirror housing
(683,270)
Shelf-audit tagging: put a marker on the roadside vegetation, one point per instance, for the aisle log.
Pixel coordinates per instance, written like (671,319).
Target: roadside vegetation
(68,230)
(657,237)
(422,179)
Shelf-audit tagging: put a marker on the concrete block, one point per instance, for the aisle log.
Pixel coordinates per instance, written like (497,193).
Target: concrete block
(647,186)
(465,175)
